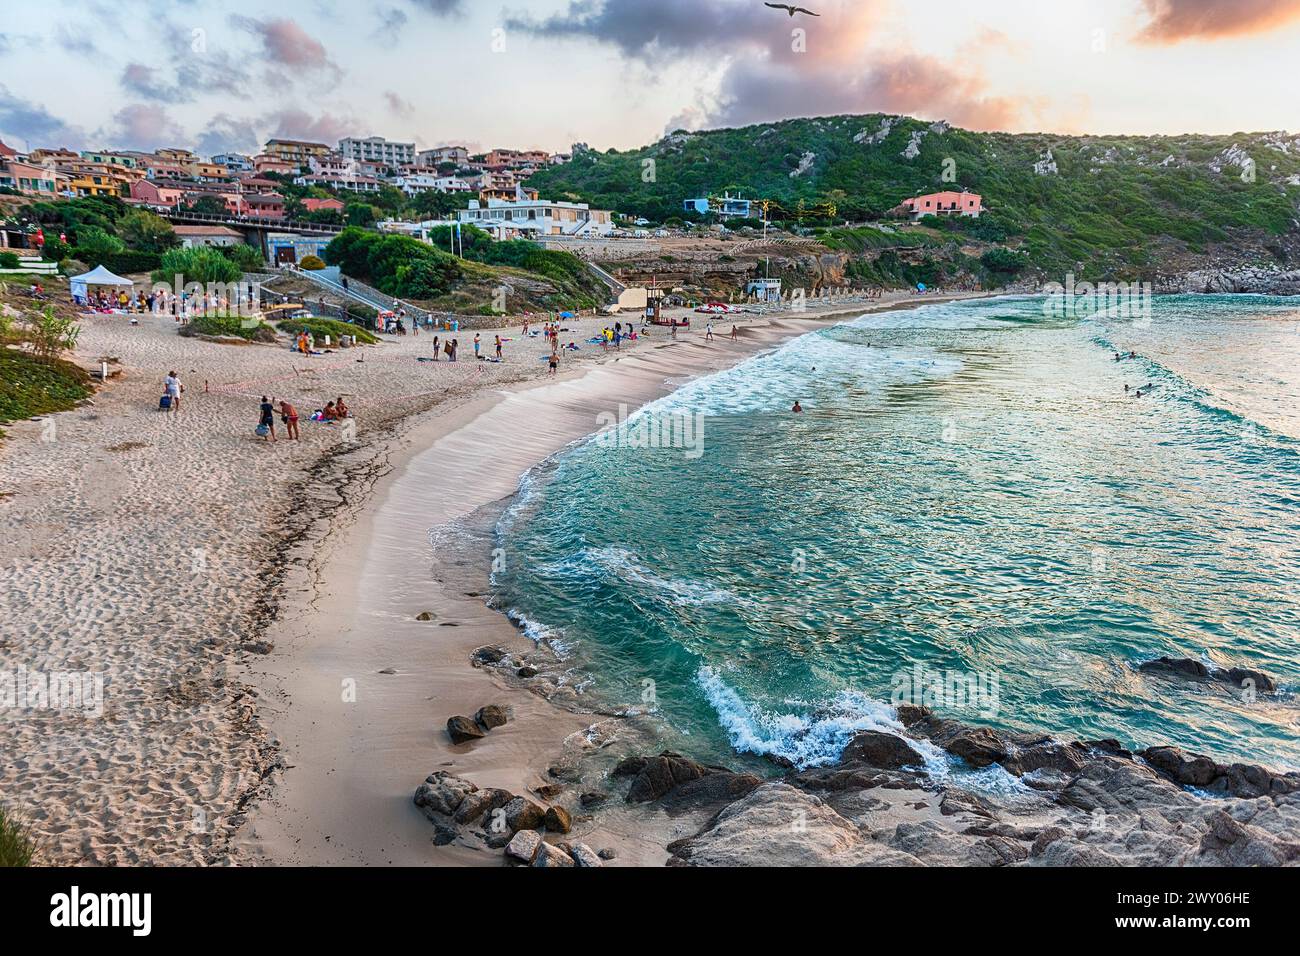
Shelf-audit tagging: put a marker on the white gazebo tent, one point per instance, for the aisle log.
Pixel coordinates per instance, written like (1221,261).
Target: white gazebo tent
(96,277)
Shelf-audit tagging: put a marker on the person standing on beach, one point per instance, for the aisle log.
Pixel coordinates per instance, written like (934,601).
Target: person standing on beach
(174,388)
(289,415)
(735,333)
(267,420)
(478,344)
(452,347)
(555,362)
(708,332)
(498,344)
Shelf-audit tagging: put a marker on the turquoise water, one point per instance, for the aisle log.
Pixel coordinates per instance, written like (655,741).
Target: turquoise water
(969,493)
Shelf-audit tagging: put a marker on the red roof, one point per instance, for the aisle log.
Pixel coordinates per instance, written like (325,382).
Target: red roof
(6,151)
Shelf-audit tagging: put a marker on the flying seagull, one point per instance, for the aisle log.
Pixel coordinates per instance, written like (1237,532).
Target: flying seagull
(791,10)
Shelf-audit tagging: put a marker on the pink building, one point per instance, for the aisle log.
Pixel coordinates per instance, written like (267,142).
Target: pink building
(154,194)
(945,204)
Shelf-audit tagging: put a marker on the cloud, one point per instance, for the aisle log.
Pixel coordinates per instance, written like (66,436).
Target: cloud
(391,21)
(288,44)
(638,27)
(1175,20)
(76,42)
(397,105)
(226,134)
(767,74)
(23,120)
(440,8)
(298,124)
(141,126)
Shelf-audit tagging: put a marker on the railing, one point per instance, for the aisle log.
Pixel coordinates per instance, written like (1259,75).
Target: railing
(614,285)
(256,222)
(365,294)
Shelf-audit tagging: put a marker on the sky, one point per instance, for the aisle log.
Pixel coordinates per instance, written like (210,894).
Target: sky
(544,74)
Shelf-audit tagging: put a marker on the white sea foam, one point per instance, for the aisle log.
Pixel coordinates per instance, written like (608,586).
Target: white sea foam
(682,592)
(806,740)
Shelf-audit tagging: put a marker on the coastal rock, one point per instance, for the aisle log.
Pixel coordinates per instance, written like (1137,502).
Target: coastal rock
(780,825)
(491,717)
(481,803)
(523,846)
(584,856)
(910,714)
(680,782)
(526,672)
(558,820)
(425,616)
(978,746)
(1237,677)
(1189,770)
(608,854)
(488,654)
(522,814)
(550,856)
(886,751)
(462,730)
(592,798)
(442,793)
(444,834)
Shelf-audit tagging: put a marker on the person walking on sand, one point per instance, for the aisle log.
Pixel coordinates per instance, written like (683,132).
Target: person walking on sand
(289,415)
(174,389)
(735,333)
(708,332)
(555,362)
(435,348)
(267,420)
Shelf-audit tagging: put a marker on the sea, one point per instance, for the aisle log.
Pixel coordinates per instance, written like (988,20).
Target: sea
(971,512)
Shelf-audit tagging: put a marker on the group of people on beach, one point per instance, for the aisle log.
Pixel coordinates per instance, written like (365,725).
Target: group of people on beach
(335,411)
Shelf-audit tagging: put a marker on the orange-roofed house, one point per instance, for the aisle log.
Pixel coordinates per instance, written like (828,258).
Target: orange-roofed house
(945,204)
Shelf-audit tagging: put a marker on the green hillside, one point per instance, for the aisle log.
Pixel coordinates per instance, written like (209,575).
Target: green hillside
(1098,204)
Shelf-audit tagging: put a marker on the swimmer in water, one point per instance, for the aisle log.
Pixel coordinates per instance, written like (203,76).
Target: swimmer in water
(798,409)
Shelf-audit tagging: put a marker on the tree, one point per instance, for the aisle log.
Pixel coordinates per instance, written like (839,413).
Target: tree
(50,333)
(248,258)
(361,214)
(97,242)
(208,206)
(147,232)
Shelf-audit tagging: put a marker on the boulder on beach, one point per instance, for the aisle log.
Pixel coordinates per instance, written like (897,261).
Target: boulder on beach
(522,814)
(480,804)
(491,716)
(558,820)
(523,846)
(584,856)
(552,856)
(462,730)
(442,793)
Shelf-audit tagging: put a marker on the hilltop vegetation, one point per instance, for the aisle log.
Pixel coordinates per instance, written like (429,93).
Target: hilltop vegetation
(527,275)
(1114,205)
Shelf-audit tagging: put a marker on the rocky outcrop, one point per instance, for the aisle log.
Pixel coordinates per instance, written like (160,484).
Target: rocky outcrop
(681,783)
(1086,803)
(1236,677)
(1236,280)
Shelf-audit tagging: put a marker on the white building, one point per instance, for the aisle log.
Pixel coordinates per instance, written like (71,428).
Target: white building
(376,149)
(335,164)
(415,183)
(356,183)
(539,217)
(443,154)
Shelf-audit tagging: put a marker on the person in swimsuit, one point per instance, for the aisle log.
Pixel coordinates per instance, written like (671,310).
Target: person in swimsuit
(268,419)
(289,415)
(798,409)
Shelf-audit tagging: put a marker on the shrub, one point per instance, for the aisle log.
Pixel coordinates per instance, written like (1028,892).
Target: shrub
(30,386)
(9,260)
(15,840)
(1006,261)
(228,326)
(320,327)
(123,263)
(50,334)
(201,264)
(312,263)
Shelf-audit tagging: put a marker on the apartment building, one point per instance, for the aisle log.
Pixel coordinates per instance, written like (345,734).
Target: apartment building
(376,149)
(539,216)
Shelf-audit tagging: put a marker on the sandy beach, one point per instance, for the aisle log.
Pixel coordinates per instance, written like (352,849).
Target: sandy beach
(268,694)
